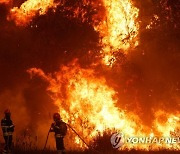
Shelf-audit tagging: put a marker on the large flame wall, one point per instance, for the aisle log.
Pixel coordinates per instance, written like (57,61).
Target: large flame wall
(126,76)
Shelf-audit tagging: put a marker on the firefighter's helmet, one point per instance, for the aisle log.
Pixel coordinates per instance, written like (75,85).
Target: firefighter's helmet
(7,112)
(56,116)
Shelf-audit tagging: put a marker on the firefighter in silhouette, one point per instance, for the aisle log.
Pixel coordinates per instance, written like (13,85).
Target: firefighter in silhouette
(59,128)
(8,129)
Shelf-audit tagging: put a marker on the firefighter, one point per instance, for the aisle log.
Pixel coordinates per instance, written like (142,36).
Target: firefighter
(59,128)
(8,129)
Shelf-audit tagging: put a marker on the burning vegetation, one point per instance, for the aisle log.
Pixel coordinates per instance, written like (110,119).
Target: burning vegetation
(104,65)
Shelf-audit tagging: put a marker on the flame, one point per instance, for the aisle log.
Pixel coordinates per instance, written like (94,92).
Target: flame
(5,1)
(118,29)
(29,9)
(84,99)
(87,103)
(166,123)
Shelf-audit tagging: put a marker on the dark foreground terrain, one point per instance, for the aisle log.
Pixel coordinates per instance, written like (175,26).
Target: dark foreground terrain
(93,152)
(100,145)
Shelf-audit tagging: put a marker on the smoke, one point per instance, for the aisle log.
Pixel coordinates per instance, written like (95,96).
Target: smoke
(16,103)
(148,78)
(5,1)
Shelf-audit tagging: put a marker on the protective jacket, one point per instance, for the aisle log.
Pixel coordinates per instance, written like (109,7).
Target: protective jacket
(7,127)
(59,127)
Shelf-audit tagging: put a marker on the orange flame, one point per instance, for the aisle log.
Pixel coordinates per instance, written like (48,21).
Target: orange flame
(5,1)
(166,123)
(86,102)
(29,9)
(118,29)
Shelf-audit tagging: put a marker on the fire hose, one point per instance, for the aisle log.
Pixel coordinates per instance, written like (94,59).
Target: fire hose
(76,134)
(82,139)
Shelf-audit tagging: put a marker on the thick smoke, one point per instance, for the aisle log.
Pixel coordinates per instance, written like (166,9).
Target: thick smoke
(146,79)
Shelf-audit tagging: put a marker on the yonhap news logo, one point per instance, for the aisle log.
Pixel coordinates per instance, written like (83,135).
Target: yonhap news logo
(119,139)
